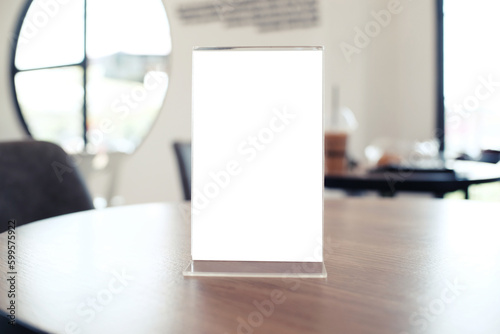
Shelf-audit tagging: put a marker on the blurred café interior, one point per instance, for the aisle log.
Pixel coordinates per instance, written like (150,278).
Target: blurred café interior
(402,93)
(95,113)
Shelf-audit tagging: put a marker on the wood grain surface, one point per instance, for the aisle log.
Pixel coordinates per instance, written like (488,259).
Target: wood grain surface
(394,266)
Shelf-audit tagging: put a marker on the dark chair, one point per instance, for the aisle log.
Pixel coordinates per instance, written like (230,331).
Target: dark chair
(490,156)
(38,180)
(183,154)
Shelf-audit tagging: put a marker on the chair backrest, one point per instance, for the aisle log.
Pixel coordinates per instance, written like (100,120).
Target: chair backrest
(38,180)
(183,154)
(490,156)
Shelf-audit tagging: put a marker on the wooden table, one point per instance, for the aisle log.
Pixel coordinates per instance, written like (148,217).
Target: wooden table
(394,266)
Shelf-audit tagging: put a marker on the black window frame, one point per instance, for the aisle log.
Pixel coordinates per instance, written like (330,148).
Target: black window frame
(440,109)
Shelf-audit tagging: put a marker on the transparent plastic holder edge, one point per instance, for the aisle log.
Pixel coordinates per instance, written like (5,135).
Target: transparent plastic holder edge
(255,269)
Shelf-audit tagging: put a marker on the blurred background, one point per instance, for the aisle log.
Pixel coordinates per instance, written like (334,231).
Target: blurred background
(129,80)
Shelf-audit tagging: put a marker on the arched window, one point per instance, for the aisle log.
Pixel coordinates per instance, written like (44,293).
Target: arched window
(91,75)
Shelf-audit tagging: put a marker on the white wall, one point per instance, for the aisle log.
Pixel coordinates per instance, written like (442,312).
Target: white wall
(389,85)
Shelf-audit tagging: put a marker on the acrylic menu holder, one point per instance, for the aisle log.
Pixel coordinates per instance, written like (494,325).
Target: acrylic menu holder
(257,162)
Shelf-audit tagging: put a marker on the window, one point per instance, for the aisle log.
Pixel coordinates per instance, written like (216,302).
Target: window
(91,75)
(471,76)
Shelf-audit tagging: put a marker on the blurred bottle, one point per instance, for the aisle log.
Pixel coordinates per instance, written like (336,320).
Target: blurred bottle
(340,122)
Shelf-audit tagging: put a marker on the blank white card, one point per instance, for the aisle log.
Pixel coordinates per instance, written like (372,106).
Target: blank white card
(257,154)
